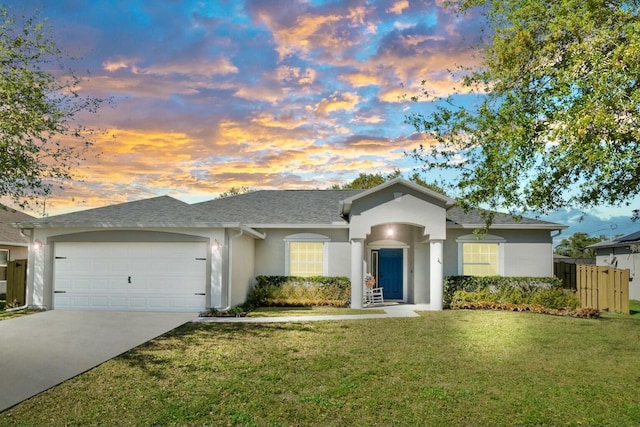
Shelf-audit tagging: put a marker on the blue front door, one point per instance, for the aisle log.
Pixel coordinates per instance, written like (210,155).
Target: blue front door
(390,272)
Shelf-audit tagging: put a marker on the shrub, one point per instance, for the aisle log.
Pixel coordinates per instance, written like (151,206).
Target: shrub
(502,289)
(290,291)
(541,295)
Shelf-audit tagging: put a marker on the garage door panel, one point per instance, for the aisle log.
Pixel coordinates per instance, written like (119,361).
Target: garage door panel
(130,276)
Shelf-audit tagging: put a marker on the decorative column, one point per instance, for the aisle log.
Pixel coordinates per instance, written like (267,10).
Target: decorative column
(436,275)
(357,279)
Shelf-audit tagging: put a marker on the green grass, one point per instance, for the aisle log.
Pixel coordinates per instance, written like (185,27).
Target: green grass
(450,368)
(5,315)
(309,311)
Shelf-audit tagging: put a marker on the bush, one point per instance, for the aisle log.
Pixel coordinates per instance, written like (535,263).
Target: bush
(542,295)
(502,289)
(290,291)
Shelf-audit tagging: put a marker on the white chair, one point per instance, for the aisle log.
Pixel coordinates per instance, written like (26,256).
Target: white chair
(371,294)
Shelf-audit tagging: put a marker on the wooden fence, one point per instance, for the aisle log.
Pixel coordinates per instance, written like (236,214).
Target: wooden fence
(567,272)
(604,288)
(16,282)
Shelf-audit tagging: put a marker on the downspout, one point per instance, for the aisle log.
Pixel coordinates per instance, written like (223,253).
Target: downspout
(230,267)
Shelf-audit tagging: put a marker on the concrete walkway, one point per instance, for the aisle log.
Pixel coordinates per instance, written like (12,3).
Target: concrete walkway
(42,350)
(390,310)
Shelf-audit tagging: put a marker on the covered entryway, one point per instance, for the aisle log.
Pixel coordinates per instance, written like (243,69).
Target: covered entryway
(397,229)
(130,276)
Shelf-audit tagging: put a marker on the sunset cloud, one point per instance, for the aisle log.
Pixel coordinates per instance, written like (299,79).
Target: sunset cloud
(205,96)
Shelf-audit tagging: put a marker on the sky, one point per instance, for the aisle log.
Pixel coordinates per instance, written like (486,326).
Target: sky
(262,94)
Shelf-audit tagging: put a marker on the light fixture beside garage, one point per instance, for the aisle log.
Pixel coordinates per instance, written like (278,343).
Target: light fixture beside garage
(215,245)
(37,245)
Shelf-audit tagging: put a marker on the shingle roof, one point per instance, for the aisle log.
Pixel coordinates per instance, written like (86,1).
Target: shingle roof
(280,207)
(8,234)
(618,241)
(474,218)
(157,211)
(256,209)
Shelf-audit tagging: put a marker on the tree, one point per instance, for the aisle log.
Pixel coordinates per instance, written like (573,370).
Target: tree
(557,118)
(40,142)
(233,191)
(574,246)
(369,180)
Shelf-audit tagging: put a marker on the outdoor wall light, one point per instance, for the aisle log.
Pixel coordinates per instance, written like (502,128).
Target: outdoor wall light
(390,232)
(215,245)
(37,244)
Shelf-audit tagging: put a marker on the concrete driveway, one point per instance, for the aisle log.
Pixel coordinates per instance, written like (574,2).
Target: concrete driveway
(42,350)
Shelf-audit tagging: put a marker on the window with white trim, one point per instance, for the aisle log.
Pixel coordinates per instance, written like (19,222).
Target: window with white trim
(4,263)
(480,257)
(306,258)
(306,255)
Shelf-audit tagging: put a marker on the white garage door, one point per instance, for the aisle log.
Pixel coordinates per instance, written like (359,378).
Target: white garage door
(130,276)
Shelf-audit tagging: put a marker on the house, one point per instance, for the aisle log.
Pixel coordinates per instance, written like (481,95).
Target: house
(622,252)
(163,254)
(13,245)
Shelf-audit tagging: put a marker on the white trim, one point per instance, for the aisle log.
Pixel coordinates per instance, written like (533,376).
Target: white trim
(306,237)
(488,238)
(393,244)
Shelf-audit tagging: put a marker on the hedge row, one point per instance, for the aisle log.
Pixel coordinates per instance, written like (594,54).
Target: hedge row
(534,291)
(290,291)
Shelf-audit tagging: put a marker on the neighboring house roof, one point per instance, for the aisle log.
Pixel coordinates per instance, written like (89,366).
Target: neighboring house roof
(266,209)
(8,235)
(626,240)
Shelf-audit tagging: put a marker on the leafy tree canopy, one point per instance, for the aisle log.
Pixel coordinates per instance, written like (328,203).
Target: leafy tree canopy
(370,180)
(557,118)
(40,142)
(574,246)
(233,191)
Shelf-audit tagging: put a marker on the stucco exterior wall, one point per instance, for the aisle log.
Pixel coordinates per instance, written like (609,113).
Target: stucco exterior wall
(525,252)
(270,257)
(624,259)
(243,264)
(406,209)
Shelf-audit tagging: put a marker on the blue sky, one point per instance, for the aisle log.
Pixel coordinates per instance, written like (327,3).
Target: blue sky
(210,95)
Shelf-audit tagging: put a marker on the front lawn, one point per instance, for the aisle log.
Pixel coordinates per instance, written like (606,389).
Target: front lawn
(450,368)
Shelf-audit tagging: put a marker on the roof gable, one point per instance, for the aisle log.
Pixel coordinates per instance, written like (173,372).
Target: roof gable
(394,189)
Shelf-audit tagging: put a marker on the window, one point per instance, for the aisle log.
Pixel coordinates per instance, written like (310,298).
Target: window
(306,258)
(306,255)
(4,262)
(480,257)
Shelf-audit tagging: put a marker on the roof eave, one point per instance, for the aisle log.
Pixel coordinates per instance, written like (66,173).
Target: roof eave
(306,226)
(107,224)
(509,226)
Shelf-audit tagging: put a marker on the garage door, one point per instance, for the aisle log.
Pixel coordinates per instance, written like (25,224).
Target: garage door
(130,276)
